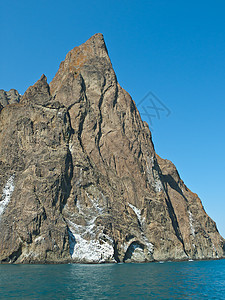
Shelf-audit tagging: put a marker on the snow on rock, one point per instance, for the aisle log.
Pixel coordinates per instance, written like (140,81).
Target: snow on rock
(94,250)
(87,242)
(158,185)
(149,245)
(191,223)
(215,251)
(153,176)
(137,211)
(141,220)
(6,194)
(39,239)
(95,203)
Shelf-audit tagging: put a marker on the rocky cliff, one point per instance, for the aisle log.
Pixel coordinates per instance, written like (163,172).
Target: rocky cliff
(9,97)
(80,180)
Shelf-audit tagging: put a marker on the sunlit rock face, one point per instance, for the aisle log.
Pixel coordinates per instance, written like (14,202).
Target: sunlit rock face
(9,97)
(80,180)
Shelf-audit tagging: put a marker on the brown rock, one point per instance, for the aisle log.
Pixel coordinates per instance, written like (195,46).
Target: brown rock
(9,97)
(80,179)
(35,182)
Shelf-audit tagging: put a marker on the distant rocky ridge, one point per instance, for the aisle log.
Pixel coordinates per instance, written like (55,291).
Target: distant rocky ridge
(9,97)
(80,180)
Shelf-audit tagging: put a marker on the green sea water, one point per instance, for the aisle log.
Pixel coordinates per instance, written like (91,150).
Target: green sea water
(169,280)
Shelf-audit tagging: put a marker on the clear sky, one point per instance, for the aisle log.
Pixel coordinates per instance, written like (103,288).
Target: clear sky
(174,49)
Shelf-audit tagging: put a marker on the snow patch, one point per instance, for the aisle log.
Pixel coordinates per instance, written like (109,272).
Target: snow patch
(95,203)
(39,239)
(141,220)
(94,250)
(137,211)
(149,245)
(87,242)
(158,185)
(215,251)
(6,194)
(153,176)
(70,147)
(191,223)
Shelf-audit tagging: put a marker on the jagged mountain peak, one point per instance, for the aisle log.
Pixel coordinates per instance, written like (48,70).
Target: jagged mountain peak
(80,180)
(39,93)
(92,52)
(9,97)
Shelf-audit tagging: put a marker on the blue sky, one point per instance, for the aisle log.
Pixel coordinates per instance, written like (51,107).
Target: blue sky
(174,49)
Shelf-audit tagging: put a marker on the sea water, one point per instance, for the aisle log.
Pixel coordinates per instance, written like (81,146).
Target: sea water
(169,280)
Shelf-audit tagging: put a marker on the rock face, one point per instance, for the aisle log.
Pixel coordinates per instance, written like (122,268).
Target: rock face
(80,180)
(9,97)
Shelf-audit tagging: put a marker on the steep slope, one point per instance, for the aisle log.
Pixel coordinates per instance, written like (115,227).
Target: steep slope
(80,179)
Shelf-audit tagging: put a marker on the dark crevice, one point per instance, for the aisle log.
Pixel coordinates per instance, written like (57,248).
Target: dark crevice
(99,134)
(130,250)
(82,119)
(72,241)
(66,180)
(170,208)
(173,219)
(223,247)
(173,184)
(129,237)
(80,129)
(100,121)
(83,115)
(79,135)
(14,256)
(115,97)
(86,185)
(123,123)
(62,185)
(116,253)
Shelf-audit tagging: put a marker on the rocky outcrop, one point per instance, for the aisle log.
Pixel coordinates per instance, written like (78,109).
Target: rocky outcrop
(9,97)
(80,179)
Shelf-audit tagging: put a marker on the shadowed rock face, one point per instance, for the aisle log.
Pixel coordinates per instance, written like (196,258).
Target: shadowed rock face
(80,180)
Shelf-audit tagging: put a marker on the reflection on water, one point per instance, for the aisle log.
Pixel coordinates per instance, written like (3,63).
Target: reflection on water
(183,280)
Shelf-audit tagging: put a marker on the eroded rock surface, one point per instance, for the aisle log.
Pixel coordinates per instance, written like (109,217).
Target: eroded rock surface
(9,97)
(80,180)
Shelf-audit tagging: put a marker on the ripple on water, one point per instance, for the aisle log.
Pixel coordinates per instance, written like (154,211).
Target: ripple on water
(174,280)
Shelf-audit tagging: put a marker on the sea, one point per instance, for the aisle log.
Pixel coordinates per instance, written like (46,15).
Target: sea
(168,280)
